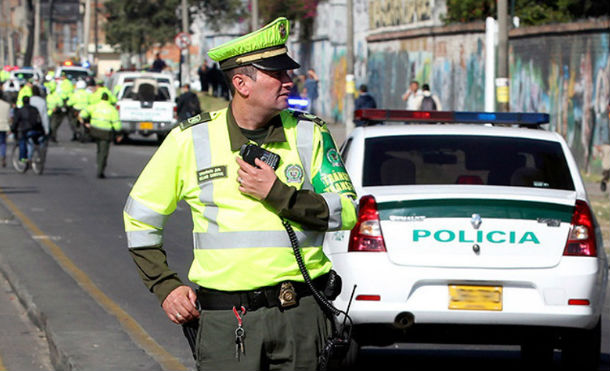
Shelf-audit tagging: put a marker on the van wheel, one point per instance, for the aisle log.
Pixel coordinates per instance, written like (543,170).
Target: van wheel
(161,137)
(582,348)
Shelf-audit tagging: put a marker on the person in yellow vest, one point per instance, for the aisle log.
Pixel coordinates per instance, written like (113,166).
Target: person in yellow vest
(49,82)
(25,91)
(4,75)
(65,87)
(54,110)
(78,101)
(256,307)
(104,125)
(100,89)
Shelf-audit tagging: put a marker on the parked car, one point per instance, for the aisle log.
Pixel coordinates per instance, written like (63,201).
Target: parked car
(473,228)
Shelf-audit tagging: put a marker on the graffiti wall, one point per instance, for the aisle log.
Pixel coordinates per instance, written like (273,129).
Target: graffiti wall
(453,66)
(392,13)
(571,81)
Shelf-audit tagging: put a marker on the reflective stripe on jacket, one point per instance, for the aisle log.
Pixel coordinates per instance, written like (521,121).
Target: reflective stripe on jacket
(102,116)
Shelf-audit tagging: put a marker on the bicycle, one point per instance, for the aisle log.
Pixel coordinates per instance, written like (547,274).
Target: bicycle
(39,154)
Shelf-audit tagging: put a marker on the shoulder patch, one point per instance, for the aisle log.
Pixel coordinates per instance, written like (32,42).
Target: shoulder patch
(195,120)
(299,115)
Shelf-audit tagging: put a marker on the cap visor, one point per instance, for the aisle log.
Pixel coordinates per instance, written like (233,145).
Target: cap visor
(277,63)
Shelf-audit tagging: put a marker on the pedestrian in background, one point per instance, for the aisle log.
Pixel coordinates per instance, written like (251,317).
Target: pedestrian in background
(411,96)
(103,125)
(243,258)
(40,104)
(159,64)
(364,100)
(5,113)
(187,104)
(311,89)
(202,71)
(26,125)
(428,101)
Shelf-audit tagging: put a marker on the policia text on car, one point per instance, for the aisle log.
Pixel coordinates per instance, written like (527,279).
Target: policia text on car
(256,311)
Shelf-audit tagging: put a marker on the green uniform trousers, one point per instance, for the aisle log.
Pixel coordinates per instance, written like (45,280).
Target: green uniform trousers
(103,148)
(289,339)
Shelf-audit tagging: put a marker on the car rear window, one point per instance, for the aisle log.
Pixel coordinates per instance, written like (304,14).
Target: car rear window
(464,159)
(76,74)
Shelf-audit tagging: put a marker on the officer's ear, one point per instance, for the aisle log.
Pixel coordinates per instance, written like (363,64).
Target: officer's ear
(241,84)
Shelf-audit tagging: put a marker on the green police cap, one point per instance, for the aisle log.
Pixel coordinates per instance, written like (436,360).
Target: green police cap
(264,49)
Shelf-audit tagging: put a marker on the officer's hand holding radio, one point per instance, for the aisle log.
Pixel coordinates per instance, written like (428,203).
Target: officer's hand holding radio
(255,181)
(180,305)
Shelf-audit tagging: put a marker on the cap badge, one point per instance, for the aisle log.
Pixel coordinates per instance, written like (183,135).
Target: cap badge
(282,30)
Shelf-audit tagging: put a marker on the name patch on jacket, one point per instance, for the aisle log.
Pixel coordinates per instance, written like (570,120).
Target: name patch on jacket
(211,173)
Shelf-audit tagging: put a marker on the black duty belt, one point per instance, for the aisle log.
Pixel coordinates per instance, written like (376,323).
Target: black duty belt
(269,296)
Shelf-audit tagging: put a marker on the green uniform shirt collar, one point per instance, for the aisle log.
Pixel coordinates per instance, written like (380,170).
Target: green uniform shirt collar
(274,126)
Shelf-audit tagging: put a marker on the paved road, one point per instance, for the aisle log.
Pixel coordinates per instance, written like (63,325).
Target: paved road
(79,281)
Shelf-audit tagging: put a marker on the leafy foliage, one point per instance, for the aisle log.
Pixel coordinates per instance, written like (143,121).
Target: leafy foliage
(136,25)
(529,12)
(302,11)
(221,12)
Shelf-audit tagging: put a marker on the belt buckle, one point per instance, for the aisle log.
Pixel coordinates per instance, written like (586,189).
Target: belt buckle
(288,295)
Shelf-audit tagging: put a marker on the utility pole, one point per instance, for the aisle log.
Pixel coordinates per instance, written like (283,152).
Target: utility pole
(87,29)
(503,81)
(349,77)
(254,15)
(36,28)
(95,38)
(186,71)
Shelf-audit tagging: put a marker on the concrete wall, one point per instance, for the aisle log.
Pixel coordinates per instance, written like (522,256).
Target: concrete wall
(565,70)
(560,69)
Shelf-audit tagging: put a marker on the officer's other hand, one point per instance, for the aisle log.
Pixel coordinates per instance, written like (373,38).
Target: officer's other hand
(255,181)
(119,138)
(180,305)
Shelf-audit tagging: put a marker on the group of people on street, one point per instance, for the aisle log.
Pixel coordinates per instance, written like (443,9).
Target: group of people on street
(305,86)
(421,100)
(212,80)
(36,112)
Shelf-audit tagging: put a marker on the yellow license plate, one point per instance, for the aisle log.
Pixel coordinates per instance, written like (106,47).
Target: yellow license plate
(475,297)
(146,126)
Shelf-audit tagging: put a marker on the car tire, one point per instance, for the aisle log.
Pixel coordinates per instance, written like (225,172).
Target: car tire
(537,354)
(602,186)
(582,349)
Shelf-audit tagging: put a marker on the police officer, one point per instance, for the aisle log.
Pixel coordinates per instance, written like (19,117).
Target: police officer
(103,125)
(243,261)
(78,101)
(100,89)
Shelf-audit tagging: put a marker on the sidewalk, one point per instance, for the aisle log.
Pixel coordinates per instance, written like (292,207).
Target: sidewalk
(80,334)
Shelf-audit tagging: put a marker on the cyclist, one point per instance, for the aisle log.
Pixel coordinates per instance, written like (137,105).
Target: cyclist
(27,124)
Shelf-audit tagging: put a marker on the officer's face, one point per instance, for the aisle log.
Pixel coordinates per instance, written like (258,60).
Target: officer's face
(272,89)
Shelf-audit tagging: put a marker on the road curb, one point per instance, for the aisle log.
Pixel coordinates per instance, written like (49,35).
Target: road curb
(81,334)
(59,359)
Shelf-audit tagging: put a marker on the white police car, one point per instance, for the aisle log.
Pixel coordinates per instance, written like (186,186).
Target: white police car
(471,233)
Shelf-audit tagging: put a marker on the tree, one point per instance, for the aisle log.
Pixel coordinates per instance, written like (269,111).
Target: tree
(221,12)
(529,12)
(301,11)
(136,25)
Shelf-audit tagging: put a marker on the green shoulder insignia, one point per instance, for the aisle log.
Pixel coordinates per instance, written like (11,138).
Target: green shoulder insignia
(299,115)
(197,119)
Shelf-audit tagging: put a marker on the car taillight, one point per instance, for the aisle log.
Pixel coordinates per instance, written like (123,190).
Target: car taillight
(581,240)
(366,235)
(175,112)
(118,107)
